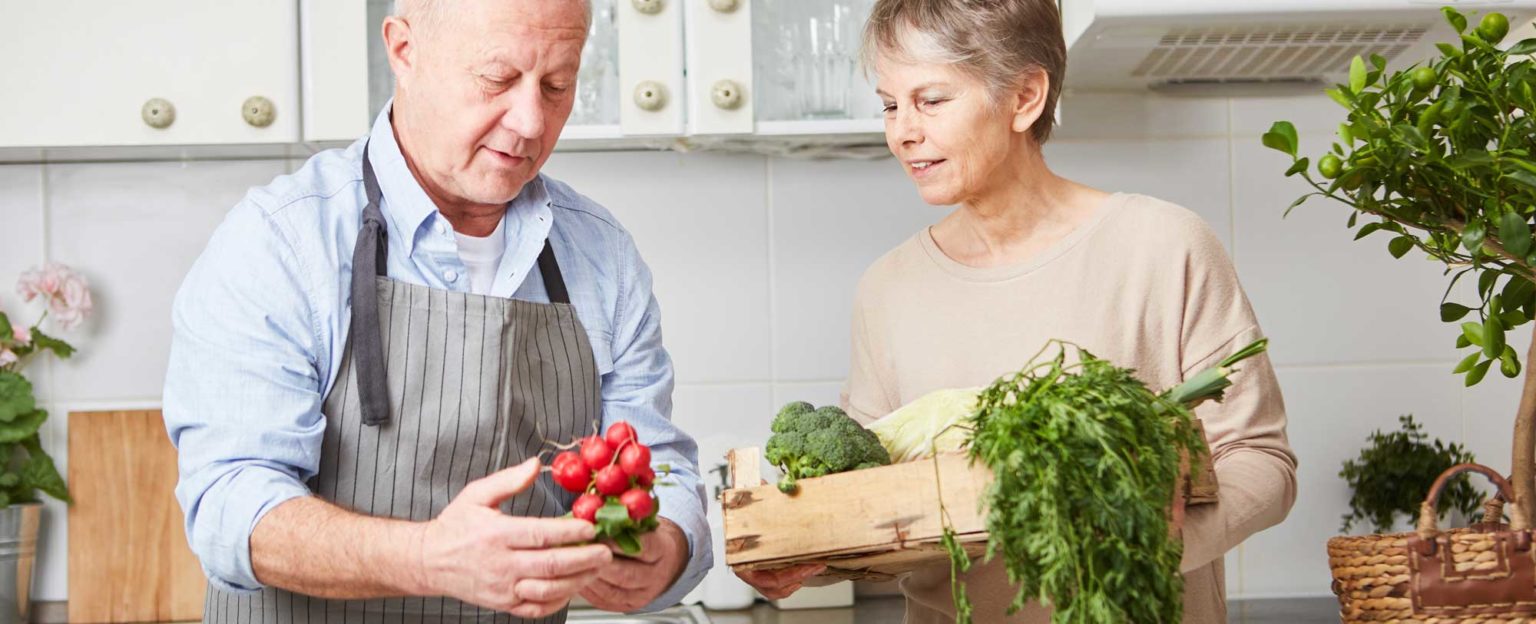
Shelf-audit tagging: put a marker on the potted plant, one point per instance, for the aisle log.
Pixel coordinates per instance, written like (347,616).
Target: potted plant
(26,468)
(1438,157)
(1391,474)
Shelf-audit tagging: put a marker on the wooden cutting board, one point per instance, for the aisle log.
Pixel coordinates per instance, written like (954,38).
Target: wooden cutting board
(128,554)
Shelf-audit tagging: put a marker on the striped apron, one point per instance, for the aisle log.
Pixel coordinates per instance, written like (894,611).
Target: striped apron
(436,389)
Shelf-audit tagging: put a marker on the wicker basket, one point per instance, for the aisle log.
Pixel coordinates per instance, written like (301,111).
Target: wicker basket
(1478,575)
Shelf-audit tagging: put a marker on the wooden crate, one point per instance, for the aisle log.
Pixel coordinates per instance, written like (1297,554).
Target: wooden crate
(872,524)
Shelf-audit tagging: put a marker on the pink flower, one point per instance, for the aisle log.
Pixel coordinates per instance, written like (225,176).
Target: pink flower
(22,335)
(7,358)
(66,292)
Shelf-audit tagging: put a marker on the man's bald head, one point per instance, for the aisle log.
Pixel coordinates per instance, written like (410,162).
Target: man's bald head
(427,14)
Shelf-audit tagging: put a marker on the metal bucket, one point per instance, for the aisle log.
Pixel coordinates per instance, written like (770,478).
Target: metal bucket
(18,548)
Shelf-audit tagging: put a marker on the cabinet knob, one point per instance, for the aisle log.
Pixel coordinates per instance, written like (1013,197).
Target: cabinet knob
(650,95)
(723,6)
(158,113)
(258,111)
(726,94)
(648,7)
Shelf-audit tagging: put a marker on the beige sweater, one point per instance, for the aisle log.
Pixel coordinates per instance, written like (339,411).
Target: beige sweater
(1144,284)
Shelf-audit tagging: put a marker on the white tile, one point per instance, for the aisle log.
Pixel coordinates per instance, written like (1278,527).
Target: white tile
(1331,412)
(1121,116)
(1322,297)
(1193,173)
(1312,114)
(134,230)
(1232,567)
(831,219)
(1489,412)
(700,221)
(723,417)
(818,393)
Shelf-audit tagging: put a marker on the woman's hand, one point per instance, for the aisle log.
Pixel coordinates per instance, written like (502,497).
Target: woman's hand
(779,584)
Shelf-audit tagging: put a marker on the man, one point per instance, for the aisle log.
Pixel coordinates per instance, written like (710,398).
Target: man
(372,352)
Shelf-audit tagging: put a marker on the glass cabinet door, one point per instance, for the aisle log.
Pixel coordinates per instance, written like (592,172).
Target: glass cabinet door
(806,74)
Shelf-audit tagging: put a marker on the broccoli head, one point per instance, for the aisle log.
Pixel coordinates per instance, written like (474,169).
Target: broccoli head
(810,442)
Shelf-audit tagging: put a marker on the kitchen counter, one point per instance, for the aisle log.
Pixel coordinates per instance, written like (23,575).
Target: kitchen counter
(888,610)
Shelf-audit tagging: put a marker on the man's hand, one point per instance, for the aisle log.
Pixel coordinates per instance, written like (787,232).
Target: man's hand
(626,585)
(780,583)
(474,552)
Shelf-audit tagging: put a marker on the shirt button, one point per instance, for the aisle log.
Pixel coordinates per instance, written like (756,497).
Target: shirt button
(451,275)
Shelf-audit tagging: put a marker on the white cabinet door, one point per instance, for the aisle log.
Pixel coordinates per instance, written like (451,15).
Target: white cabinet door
(651,67)
(337,38)
(79,72)
(719,67)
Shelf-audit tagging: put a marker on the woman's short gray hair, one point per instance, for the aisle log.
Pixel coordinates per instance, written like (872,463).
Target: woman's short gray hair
(998,41)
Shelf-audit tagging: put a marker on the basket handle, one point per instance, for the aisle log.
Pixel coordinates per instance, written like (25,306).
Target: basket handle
(1429,522)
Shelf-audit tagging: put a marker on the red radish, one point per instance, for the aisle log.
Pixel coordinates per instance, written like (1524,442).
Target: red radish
(586,507)
(611,480)
(595,452)
(645,478)
(620,433)
(570,473)
(634,458)
(639,504)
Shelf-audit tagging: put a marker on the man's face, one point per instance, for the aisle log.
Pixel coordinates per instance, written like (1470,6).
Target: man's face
(483,92)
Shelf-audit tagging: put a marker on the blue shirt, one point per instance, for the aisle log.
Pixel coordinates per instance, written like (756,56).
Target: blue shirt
(261,320)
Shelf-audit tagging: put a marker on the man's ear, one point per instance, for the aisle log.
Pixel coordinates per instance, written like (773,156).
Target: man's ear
(400,48)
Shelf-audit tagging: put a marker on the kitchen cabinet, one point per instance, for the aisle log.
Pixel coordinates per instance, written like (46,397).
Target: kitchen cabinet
(148,72)
(751,74)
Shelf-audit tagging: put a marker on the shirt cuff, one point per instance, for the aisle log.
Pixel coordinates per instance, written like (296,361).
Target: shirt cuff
(224,537)
(682,506)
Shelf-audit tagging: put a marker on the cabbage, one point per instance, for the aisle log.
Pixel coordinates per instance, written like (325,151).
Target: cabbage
(921,428)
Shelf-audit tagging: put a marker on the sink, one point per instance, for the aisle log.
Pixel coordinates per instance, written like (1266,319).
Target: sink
(675,615)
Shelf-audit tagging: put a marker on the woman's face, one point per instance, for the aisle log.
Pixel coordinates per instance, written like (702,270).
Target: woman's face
(950,136)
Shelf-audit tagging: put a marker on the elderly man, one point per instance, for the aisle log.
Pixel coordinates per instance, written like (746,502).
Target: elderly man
(372,352)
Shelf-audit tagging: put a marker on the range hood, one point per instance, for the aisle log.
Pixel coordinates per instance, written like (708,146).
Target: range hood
(1135,45)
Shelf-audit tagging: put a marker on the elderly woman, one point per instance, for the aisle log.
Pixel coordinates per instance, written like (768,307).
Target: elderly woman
(970,88)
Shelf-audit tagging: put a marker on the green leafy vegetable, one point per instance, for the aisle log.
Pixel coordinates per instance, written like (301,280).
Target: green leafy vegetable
(1392,475)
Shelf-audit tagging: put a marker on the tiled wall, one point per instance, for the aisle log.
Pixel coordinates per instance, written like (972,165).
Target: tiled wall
(755,259)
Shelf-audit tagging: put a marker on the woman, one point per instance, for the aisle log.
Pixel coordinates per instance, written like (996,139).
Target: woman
(970,89)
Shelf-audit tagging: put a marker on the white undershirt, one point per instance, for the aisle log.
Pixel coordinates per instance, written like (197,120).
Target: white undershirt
(481,256)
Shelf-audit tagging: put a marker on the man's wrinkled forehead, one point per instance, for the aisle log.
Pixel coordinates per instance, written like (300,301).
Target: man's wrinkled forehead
(428,13)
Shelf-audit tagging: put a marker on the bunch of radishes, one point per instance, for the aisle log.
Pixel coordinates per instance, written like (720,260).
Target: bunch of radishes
(614,477)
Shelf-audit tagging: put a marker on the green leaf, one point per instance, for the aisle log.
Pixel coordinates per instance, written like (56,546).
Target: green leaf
(1456,19)
(1452,312)
(23,427)
(1515,234)
(1524,46)
(1467,160)
(1473,332)
(15,396)
(5,328)
(1346,135)
(1411,136)
(1448,49)
(1512,319)
(1472,236)
(1509,364)
(1462,342)
(1400,246)
(1379,61)
(1354,217)
(1347,100)
(627,543)
(612,512)
(1299,166)
(1357,75)
(1493,337)
(1367,230)
(58,347)
(1467,363)
(1281,136)
(1524,177)
(39,471)
(1478,372)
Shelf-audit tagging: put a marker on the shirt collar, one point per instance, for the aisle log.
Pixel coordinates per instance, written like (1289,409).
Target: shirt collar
(406,205)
